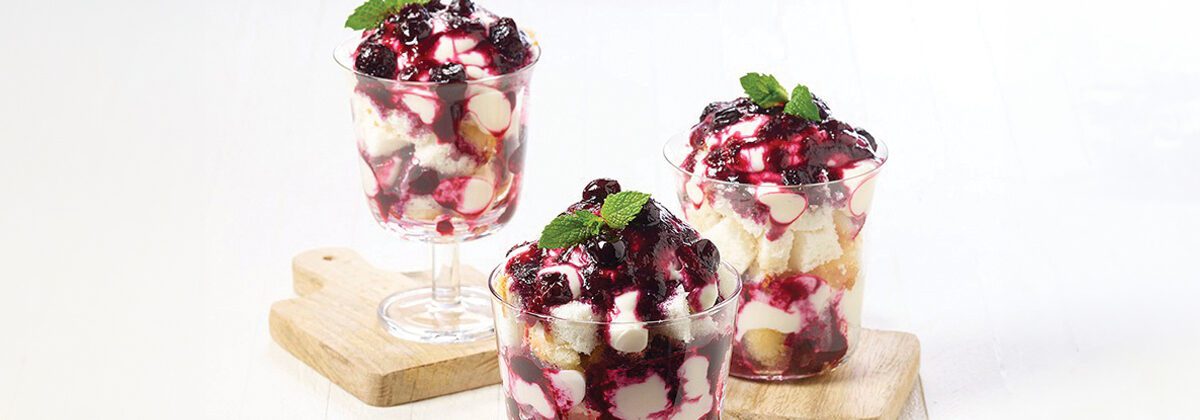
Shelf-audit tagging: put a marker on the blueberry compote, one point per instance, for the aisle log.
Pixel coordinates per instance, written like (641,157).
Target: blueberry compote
(438,104)
(655,255)
(632,322)
(443,42)
(739,141)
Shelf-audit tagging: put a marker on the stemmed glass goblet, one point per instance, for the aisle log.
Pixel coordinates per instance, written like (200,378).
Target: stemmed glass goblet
(441,163)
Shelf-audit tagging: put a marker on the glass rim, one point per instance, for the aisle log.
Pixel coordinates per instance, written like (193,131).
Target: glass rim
(881,151)
(734,297)
(341,55)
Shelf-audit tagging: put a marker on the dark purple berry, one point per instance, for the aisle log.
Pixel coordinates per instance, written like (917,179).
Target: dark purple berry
(555,290)
(840,131)
(466,26)
(461,7)
(411,73)
(822,109)
(797,177)
(806,175)
(391,25)
(376,60)
(868,136)
(435,5)
(414,25)
(711,108)
(725,117)
(597,285)
(415,12)
(708,254)
(654,289)
(606,253)
(422,180)
(726,113)
(511,46)
(600,188)
(449,73)
(505,35)
(649,216)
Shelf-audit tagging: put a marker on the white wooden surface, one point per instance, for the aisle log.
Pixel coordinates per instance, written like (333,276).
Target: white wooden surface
(1036,228)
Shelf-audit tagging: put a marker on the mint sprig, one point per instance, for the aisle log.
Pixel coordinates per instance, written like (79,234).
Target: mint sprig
(371,13)
(573,228)
(802,104)
(570,229)
(621,208)
(766,92)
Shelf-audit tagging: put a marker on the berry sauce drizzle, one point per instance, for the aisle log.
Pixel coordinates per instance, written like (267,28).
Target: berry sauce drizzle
(443,43)
(738,141)
(656,254)
(611,370)
(819,346)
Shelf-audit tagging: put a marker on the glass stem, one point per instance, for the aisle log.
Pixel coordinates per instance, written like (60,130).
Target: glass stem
(446,274)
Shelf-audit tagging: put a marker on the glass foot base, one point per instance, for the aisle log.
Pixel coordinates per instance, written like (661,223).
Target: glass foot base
(413,315)
(782,377)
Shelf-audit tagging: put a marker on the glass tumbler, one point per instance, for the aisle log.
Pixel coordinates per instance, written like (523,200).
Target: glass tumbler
(562,368)
(441,163)
(799,250)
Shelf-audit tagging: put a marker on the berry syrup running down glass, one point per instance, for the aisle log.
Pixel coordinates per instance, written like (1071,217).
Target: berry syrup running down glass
(620,310)
(439,96)
(783,190)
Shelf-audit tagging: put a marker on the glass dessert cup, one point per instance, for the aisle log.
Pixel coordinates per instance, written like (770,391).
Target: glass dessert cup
(557,368)
(799,251)
(441,163)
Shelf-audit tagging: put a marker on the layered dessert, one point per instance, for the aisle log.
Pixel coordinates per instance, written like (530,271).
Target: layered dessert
(619,310)
(783,190)
(439,99)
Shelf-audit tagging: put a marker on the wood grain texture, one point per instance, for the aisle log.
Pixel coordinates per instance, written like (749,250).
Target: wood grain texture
(876,383)
(332,327)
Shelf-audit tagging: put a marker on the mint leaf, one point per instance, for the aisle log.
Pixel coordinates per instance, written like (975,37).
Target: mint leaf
(764,90)
(592,222)
(802,104)
(619,209)
(368,15)
(371,13)
(570,229)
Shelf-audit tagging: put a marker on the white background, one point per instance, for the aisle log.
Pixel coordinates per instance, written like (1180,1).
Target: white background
(1036,226)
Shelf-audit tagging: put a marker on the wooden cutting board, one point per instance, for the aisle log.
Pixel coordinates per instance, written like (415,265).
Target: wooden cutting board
(331,326)
(874,384)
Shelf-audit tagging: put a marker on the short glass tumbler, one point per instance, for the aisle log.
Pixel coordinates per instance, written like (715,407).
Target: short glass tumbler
(559,368)
(799,250)
(441,163)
